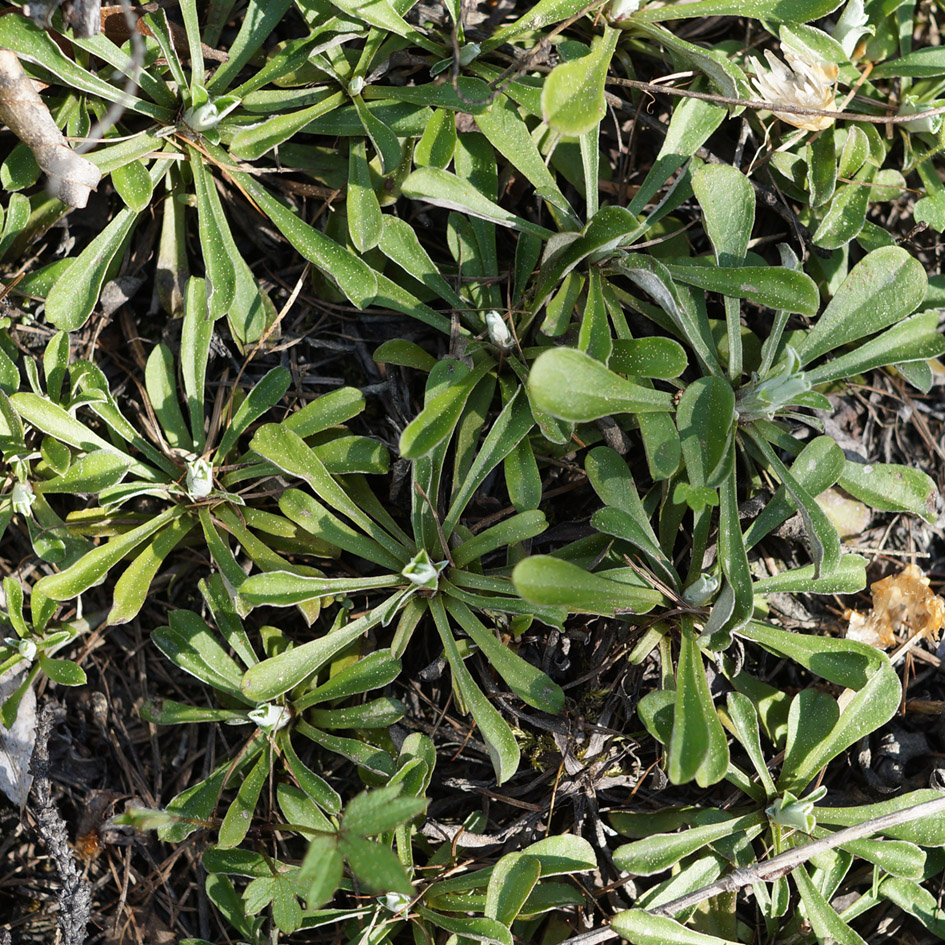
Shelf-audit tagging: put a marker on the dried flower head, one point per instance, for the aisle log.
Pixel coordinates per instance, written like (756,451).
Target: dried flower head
(802,82)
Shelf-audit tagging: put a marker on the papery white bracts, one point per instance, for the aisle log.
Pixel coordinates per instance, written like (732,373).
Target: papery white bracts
(801,82)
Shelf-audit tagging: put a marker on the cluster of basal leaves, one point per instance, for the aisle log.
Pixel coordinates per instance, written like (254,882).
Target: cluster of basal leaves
(563,308)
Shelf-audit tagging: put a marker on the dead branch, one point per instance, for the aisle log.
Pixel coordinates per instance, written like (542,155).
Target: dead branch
(82,16)
(71,177)
(135,62)
(75,894)
(768,870)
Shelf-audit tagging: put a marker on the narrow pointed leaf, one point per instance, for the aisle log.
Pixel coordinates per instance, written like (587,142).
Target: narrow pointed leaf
(276,675)
(698,747)
(661,851)
(645,928)
(239,815)
(443,189)
(528,682)
(826,923)
(500,742)
(92,567)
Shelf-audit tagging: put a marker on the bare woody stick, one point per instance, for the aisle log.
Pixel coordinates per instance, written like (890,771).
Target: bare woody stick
(781,865)
(71,177)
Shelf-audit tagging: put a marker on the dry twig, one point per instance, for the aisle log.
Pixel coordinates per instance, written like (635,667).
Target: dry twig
(778,106)
(71,177)
(768,870)
(82,16)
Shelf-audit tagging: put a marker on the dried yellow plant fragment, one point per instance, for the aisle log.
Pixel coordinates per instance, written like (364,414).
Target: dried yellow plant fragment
(902,604)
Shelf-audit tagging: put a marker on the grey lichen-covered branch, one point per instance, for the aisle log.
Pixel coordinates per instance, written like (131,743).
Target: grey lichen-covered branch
(71,177)
(75,893)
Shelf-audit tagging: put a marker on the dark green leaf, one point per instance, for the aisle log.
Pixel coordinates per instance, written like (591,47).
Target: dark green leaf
(823,537)
(355,278)
(443,189)
(435,148)
(441,413)
(698,747)
(826,923)
(572,97)
(326,411)
(551,581)
(265,394)
(648,357)
(528,682)
(64,672)
(817,467)
(399,242)
(512,881)
(914,339)
(374,865)
(927,831)
(239,815)
(645,928)
(132,588)
(784,11)
(376,713)
(771,286)
(508,429)
(816,735)
(276,675)
(91,473)
(321,871)
(250,144)
(502,124)
(848,578)
(374,812)
(190,644)
(705,417)
(882,289)
(573,386)
(892,488)
(365,222)
(160,379)
(919,64)
(92,567)
(517,528)
(500,742)
(660,851)
(373,671)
